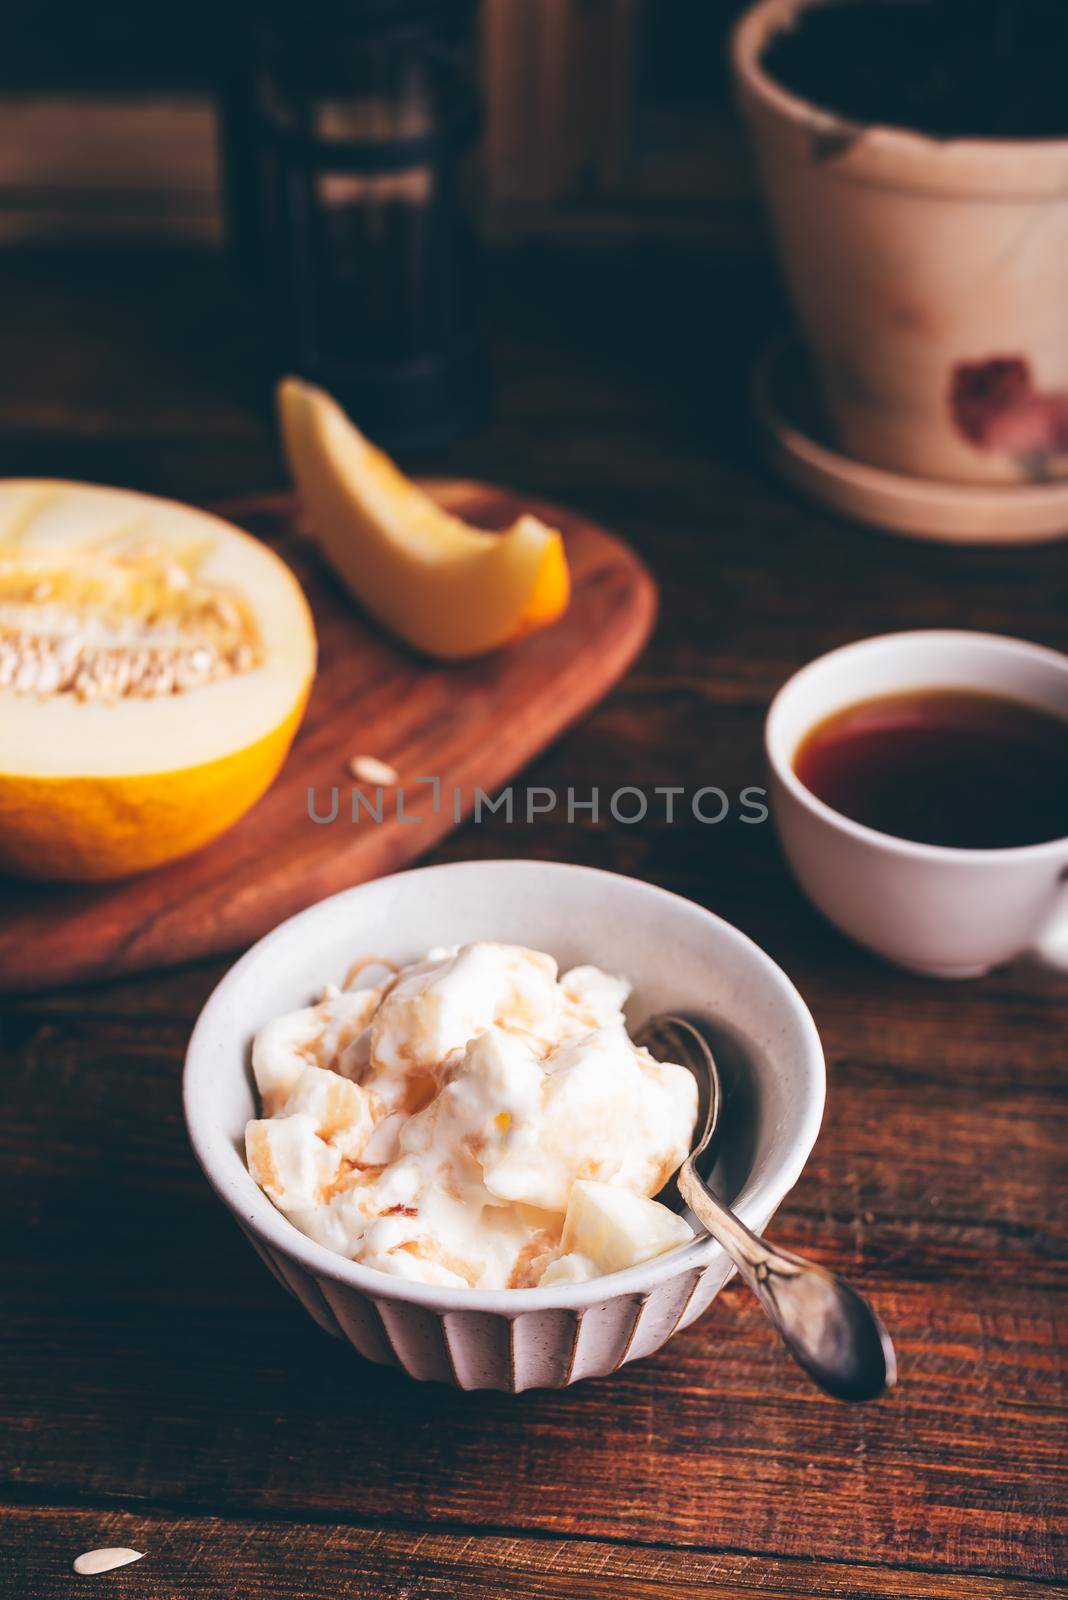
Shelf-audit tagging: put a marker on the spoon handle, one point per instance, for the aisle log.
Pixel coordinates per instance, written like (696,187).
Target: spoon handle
(828,1327)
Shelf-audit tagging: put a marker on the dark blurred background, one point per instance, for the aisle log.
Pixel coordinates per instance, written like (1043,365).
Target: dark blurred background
(601,115)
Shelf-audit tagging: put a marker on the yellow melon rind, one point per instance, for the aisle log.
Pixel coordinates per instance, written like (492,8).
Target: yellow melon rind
(92,829)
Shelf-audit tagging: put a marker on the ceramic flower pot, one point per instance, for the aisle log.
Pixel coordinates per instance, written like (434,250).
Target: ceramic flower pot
(929,277)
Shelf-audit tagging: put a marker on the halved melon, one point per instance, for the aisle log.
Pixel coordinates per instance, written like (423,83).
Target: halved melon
(154,666)
(450,590)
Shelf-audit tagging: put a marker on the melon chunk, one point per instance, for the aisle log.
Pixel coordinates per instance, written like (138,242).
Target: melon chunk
(289,1161)
(154,666)
(572,1268)
(450,590)
(616,1228)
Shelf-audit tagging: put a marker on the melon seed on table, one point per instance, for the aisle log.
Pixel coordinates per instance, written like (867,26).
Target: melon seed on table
(164,1396)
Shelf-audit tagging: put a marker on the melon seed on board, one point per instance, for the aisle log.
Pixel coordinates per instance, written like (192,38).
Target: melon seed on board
(369,769)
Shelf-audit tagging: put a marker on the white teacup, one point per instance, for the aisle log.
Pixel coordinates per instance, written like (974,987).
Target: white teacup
(933,909)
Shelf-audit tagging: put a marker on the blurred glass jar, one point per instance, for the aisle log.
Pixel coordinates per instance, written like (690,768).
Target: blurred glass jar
(349,133)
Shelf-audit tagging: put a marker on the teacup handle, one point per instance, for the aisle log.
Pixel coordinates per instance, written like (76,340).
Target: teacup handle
(1051,946)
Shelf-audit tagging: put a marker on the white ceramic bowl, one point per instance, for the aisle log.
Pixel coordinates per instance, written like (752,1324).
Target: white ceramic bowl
(678,956)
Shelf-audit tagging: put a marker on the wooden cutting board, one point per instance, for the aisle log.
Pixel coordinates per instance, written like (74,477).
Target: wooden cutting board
(473,726)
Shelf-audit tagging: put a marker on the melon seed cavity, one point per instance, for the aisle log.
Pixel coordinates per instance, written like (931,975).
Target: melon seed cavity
(110,624)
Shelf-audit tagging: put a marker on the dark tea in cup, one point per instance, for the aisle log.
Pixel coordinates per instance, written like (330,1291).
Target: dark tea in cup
(950,767)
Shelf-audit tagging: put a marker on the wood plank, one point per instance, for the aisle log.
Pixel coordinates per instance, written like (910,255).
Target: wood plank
(211,1559)
(465,727)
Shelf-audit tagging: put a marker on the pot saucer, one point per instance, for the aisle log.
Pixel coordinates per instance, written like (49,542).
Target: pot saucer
(796,437)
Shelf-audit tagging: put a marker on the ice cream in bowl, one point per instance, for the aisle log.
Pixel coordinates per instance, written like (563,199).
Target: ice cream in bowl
(422,1102)
(473,1120)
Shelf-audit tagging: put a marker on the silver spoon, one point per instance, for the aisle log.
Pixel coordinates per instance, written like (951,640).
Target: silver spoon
(828,1328)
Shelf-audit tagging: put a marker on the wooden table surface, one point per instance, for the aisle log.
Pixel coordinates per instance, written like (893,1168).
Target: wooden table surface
(163,1393)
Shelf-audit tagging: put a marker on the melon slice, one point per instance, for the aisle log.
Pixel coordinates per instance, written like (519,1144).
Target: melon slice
(448,589)
(616,1228)
(154,666)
